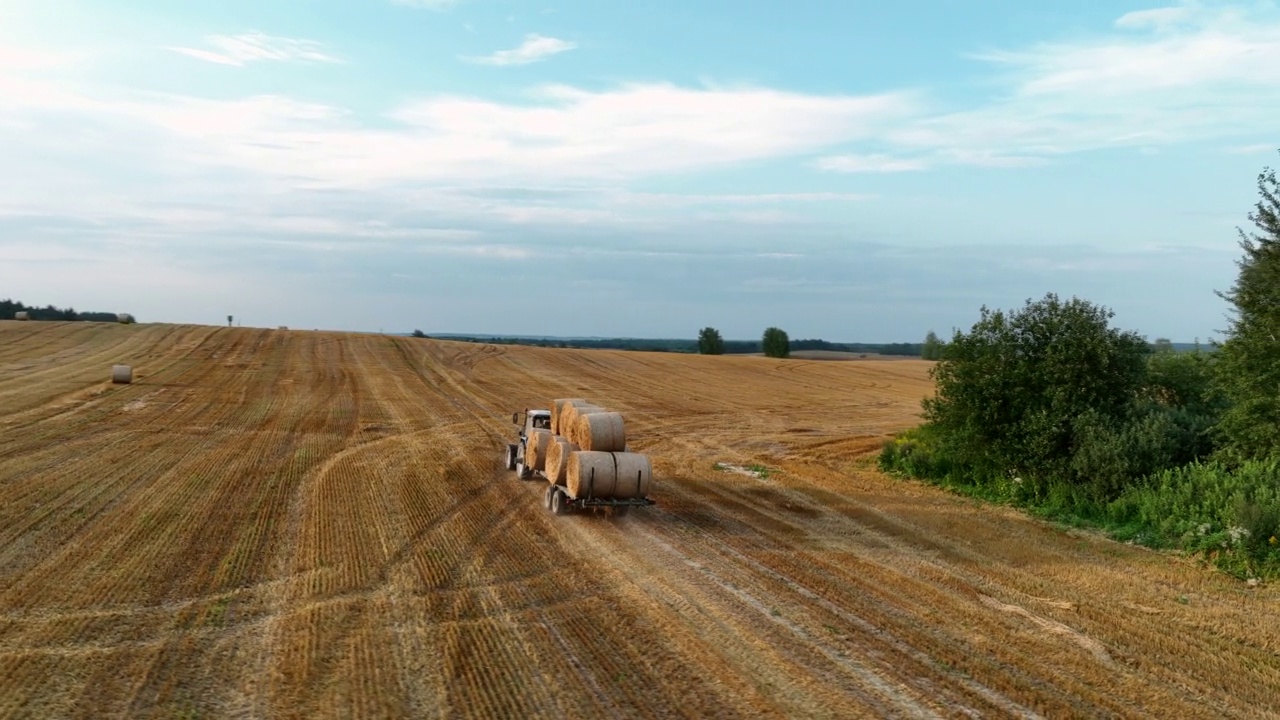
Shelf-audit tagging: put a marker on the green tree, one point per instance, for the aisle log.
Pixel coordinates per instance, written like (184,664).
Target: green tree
(1185,380)
(1249,359)
(1162,345)
(776,343)
(1011,393)
(419,334)
(710,342)
(932,349)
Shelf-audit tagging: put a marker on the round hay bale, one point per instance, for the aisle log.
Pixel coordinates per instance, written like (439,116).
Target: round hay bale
(22,315)
(121,374)
(601,431)
(535,449)
(124,318)
(557,407)
(635,475)
(569,418)
(558,459)
(609,475)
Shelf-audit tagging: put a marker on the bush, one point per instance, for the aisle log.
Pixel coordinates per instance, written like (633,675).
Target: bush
(1232,516)
(916,453)
(1113,453)
(1011,391)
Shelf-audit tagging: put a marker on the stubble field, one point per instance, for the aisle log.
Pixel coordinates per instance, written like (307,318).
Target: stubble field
(302,524)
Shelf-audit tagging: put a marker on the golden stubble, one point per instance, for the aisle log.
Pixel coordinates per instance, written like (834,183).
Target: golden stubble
(299,524)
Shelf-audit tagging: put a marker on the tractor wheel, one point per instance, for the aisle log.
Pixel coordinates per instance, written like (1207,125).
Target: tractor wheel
(559,504)
(511,457)
(548,496)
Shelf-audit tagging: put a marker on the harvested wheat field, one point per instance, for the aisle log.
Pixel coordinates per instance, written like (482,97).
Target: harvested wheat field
(300,524)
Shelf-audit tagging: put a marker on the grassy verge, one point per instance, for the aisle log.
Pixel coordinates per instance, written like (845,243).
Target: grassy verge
(1229,517)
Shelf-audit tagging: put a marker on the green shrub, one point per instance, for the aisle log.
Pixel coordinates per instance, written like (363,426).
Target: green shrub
(916,453)
(1232,516)
(1112,454)
(1009,390)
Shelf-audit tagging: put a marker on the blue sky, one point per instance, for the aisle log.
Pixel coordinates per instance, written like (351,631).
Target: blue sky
(848,170)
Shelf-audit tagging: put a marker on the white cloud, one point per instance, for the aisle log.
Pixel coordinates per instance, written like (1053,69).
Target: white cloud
(1159,18)
(565,135)
(1254,149)
(239,50)
(869,163)
(192,160)
(427,4)
(534,48)
(19,58)
(1173,75)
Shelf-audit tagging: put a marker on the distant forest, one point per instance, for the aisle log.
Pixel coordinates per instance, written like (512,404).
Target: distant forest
(9,308)
(676,345)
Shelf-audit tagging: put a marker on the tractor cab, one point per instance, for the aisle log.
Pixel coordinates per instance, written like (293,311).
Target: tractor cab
(532,420)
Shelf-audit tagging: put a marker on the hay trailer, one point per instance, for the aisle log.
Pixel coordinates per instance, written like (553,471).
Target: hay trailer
(558,498)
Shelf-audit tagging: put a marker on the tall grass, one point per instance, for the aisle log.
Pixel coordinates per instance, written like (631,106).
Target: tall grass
(1227,516)
(1231,516)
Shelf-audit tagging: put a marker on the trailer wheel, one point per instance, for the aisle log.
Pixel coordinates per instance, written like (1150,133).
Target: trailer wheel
(511,457)
(548,496)
(522,470)
(559,503)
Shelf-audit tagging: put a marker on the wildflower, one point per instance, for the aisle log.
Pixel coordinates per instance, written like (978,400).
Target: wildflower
(1204,528)
(1273,540)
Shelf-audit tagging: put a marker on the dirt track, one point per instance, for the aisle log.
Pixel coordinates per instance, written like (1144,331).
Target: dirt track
(298,524)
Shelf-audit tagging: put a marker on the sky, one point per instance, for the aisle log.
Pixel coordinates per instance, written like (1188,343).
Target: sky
(848,170)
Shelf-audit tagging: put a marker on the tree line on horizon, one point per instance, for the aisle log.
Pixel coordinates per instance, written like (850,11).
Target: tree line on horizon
(1049,408)
(10,308)
(708,342)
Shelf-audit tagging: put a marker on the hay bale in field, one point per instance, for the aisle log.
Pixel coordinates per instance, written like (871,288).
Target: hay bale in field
(22,315)
(557,408)
(558,459)
(121,374)
(535,450)
(609,475)
(124,318)
(600,432)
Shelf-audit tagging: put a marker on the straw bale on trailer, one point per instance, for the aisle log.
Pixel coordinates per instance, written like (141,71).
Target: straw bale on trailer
(22,315)
(601,431)
(609,475)
(558,455)
(121,374)
(557,408)
(535,450)
(569,419)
